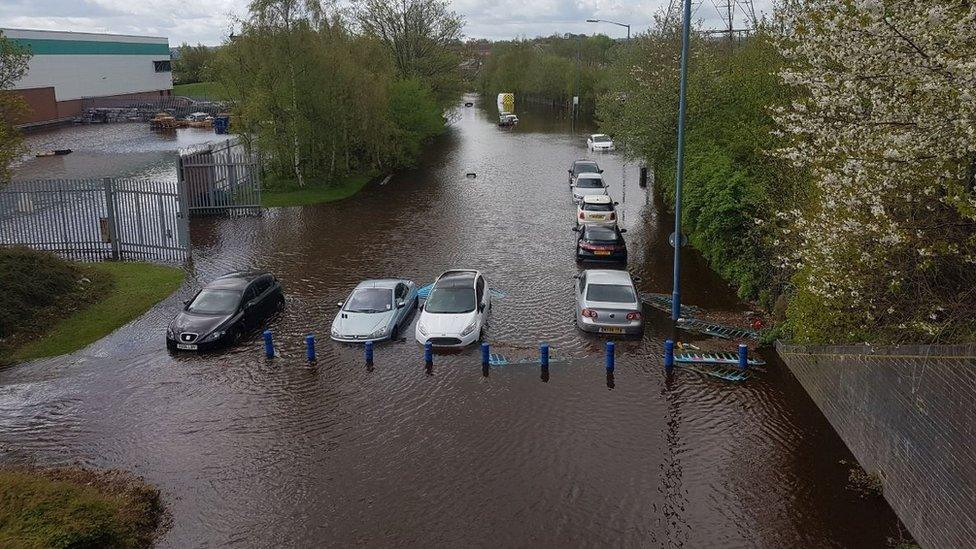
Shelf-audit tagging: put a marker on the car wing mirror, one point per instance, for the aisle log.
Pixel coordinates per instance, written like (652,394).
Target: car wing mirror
(575,229)
(570,170)
(601,171)
(339,304)
(622,231)
(400,303)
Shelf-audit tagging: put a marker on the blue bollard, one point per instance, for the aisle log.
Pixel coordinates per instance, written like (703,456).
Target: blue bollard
(544,355)
(368,350)
(485,354)
(428,354)
(743,356)
(668,355)
(268,344)
(610,351)
(310,347)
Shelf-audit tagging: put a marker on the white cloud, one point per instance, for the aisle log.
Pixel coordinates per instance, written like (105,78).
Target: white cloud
(210,22)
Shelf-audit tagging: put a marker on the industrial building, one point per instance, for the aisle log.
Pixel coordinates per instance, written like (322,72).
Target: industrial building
(69,69)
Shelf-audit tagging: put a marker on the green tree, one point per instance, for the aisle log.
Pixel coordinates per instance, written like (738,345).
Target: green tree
(192,63)
(13,66)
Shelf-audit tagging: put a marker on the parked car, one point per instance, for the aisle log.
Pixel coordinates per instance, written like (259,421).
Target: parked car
(375,310)
(588,184)
(225,310)
(607,303)
(599,142)
(600,243)
(600,209)
(582,166)
(456,311)
(507,120)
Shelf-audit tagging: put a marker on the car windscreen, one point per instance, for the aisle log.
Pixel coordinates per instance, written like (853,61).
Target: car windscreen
(610,293)
(369,300)
(587,168)
(215,302)
(600,234)
(601,139)
(587,183)
(451,300)
(598,207)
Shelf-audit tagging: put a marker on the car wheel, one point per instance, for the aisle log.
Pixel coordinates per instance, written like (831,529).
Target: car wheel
(395,333)
(481,334)
(280,304)
(236,336)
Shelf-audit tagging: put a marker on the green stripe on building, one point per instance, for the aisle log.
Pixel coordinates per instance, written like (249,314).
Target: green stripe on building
(46,46)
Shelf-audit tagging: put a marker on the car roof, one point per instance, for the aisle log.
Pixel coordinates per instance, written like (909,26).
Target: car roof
(599,135)
(460,278)
(381,283)
(590,175)
(608,276)
(585,161)
(597,199)
(237,280)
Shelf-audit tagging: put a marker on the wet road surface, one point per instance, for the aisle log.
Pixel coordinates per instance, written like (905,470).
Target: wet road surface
(252,452)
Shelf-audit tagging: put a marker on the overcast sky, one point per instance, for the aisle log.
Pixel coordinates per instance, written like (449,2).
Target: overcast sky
(209,22)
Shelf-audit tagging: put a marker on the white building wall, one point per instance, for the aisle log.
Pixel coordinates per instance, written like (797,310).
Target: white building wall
(75,76)
(78,76)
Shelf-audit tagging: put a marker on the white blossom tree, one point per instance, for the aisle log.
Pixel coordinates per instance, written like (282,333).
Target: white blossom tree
(886,125)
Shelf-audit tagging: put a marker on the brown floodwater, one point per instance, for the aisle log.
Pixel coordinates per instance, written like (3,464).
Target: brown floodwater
(257,452)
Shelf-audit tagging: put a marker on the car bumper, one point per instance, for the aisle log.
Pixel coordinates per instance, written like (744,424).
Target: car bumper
(173,345)
(633,327)
(448,340)
(348,339)
(602,149)
(616,257)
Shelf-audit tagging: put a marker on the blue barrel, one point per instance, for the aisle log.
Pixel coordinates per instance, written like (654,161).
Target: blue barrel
(221,124)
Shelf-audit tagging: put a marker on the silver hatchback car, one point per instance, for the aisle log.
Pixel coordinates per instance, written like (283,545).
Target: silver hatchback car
(607,303)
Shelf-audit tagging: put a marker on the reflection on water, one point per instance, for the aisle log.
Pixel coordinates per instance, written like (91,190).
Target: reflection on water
(261,452)
(108,150)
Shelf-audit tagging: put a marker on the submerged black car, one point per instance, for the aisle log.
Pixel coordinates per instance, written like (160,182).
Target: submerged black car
(600,243)
(225,310)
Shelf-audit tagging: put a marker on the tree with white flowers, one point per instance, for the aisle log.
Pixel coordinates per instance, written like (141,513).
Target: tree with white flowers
(885,123)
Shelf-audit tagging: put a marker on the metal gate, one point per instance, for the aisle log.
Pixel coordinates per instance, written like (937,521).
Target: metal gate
(221,179)
(95,219)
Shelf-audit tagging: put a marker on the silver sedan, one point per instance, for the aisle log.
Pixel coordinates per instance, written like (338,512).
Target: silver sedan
(607,303)
(375,310)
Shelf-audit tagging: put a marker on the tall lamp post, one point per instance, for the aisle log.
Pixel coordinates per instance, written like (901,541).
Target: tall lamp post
(677,240)
(612,23)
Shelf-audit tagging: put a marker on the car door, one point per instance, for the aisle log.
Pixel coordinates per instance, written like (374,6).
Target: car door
(400,296)
(580,289)
(264,295)
(251,307)
(480,290)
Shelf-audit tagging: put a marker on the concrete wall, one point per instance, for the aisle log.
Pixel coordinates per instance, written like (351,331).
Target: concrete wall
(908,413)
(80,65)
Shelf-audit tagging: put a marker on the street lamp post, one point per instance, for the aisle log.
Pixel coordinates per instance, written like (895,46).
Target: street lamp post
(612,23)
(685,36)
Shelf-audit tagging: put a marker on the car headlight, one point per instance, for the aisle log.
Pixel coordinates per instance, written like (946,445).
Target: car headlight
(335,331)
(470,328)
(380,332)
(422,329)
(170,332)
(215,335)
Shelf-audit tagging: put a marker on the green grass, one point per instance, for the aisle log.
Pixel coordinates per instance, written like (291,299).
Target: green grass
(288,194)
(201,90)
(135,288)
(62,508)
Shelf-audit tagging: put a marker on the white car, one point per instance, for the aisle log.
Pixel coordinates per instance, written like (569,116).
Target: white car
(596,209)
(607,303)
(456,311)
(599,142)
(588,184)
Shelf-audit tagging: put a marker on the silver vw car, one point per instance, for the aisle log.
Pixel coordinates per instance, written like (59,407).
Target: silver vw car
(375,310)
(607,303)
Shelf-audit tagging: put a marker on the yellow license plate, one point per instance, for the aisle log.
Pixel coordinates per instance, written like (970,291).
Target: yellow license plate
(597,217)
(605,330)
(602,252)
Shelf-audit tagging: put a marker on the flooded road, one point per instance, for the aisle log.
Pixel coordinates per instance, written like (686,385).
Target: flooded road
(252,452)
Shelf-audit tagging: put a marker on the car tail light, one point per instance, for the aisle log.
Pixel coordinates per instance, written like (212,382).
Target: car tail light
(613,216)
(589,313)
(582,216)
(635,315)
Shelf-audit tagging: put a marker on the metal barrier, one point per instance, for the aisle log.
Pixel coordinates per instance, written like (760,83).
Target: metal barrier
(223,178)
(95,219)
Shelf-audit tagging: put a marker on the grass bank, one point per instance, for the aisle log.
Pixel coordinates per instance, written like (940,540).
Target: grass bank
(74,507)
(288,193)
(51,306)
(200,90)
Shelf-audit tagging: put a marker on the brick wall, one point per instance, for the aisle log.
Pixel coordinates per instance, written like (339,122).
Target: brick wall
(908,413)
